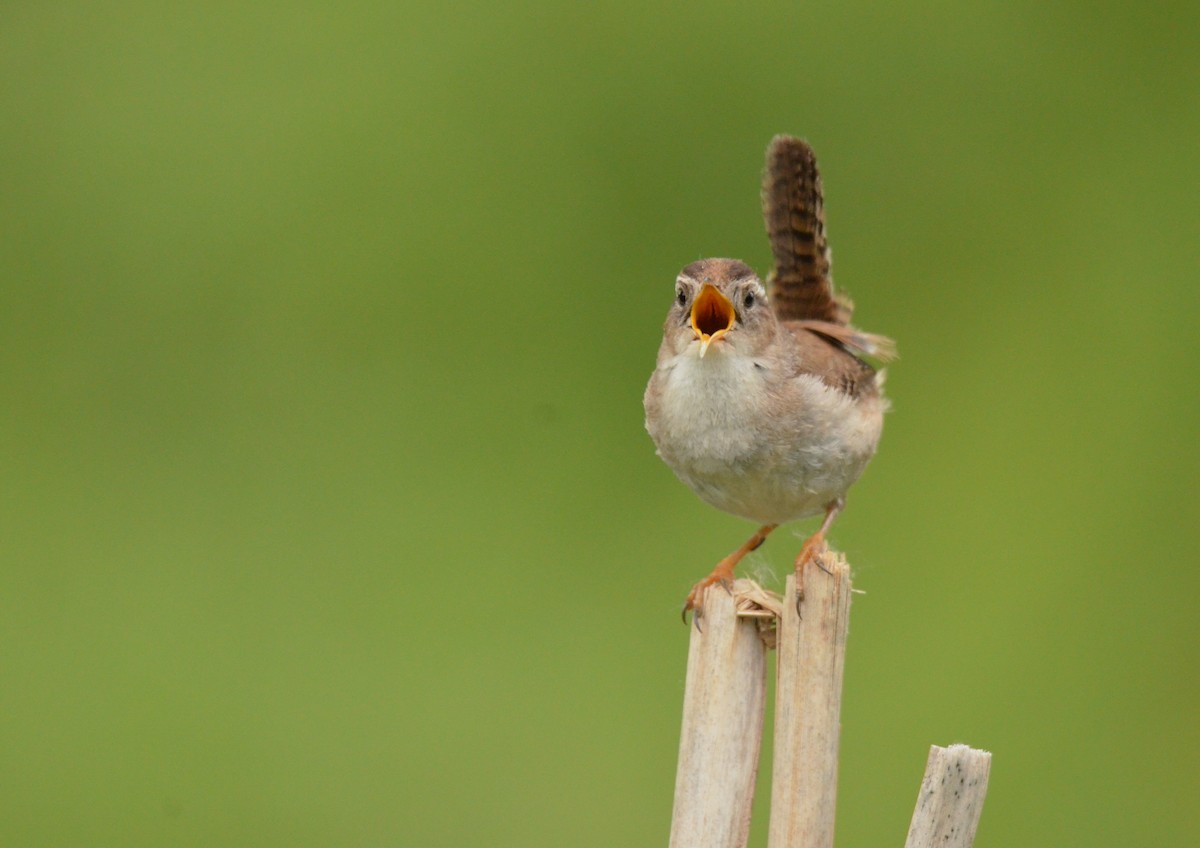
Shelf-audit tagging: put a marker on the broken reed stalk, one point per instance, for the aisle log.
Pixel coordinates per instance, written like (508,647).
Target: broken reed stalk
(808,704)
(723,719)
(723,704)
(951,798)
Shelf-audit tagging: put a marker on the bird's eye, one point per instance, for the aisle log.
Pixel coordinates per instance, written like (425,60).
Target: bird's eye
(681,297)
(749,301)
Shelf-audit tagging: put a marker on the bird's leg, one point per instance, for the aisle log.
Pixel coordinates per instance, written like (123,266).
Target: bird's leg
(816,542)
(814,546)
(723,572)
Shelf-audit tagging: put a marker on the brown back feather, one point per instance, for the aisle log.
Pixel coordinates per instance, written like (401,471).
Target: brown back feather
(835,366)
(793,209)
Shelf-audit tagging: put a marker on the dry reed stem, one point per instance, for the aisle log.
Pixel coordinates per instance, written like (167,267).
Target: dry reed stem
(808,704)
(951,798)
(723,705)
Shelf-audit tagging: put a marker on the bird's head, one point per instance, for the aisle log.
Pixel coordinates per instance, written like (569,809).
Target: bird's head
(720,306)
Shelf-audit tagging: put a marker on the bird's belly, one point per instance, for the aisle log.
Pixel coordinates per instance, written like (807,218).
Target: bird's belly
(770,490)
(739,455)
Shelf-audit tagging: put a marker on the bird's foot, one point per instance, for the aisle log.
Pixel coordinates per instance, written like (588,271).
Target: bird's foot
(721,576)
(812,550)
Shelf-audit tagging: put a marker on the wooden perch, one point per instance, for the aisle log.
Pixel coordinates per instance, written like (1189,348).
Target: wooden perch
(723,704)
(951,798)
(808,705)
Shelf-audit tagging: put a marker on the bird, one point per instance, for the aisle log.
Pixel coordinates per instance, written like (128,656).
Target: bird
(761,400)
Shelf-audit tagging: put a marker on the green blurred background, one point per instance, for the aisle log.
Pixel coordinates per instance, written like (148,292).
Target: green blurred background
(329,517)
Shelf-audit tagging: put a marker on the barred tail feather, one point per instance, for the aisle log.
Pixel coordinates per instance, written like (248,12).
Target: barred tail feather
(793,209)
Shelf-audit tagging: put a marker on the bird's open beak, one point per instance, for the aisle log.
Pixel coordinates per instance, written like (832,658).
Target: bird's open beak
(712,316)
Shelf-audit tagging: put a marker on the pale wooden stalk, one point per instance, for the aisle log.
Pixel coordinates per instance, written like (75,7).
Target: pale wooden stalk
(808,705)
(722,728)
(951,798)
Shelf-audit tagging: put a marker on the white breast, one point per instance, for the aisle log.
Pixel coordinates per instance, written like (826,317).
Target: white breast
(750,443)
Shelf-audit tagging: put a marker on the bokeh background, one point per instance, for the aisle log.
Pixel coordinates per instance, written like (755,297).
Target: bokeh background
(328,513)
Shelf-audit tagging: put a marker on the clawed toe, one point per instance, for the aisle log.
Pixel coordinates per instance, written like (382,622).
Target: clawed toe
(812,550)
(695,598)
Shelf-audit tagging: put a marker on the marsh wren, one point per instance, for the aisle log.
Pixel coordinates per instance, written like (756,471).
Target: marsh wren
(760,401)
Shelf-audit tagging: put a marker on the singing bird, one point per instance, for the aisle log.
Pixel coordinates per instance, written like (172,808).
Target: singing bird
(762,403)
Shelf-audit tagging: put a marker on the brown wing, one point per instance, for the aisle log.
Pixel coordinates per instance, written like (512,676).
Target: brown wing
(855,341)
(835,366)
(793,209)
